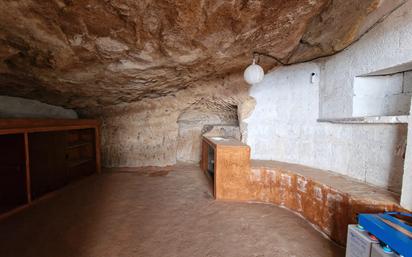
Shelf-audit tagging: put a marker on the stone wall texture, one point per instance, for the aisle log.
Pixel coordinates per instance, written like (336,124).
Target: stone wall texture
(147,132)
(88,53)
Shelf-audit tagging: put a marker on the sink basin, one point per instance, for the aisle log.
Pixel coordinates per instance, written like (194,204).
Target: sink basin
(218,138)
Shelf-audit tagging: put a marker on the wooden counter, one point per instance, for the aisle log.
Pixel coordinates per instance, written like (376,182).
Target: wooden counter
(230,161)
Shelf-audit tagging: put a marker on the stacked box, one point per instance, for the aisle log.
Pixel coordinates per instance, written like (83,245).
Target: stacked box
(377,251)
(359,244)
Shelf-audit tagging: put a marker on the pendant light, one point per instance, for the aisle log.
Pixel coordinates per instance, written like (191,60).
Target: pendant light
(254,73)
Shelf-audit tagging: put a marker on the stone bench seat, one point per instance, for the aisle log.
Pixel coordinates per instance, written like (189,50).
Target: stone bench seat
(328,200)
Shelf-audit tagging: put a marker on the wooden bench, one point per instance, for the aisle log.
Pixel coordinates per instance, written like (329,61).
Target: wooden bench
(328,200)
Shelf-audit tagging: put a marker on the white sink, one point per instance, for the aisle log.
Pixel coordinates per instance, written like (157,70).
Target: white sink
(218,138)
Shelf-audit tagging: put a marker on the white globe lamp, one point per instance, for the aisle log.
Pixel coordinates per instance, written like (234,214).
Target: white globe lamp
(254,73)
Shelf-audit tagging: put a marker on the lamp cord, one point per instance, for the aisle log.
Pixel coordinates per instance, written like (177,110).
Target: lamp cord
(258,54)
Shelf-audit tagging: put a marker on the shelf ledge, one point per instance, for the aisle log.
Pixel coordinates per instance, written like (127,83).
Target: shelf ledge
(399,119)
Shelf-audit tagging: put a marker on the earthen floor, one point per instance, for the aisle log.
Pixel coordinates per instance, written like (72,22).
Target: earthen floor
(151,212)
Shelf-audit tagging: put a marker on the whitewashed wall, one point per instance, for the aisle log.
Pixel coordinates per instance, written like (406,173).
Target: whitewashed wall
(388,44)
(284,127)
(382,95)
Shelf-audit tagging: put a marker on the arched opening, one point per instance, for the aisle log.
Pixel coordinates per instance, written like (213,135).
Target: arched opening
(207,116)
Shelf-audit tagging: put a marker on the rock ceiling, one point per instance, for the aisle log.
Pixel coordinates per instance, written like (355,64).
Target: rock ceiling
(91,53)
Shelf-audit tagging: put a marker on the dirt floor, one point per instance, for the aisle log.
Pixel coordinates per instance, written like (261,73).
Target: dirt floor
(168,213)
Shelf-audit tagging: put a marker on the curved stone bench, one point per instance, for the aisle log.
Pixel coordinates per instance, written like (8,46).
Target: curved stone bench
(328,200)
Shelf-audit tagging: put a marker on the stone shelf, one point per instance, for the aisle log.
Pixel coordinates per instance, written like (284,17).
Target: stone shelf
(400,119)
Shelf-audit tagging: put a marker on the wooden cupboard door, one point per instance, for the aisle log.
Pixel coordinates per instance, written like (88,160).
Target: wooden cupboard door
(48,170)
(12,172)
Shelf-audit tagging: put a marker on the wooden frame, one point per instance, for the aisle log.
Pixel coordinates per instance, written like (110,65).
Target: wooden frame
(28,126)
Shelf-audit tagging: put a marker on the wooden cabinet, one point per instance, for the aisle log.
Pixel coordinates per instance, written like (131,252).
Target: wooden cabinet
(47,162)
(227,162)
(40,156)
(13,191)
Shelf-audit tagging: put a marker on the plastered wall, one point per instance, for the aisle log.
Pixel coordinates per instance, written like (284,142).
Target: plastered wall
(284,123)
(384,95)
(388,44)
(284,127)
(15,107)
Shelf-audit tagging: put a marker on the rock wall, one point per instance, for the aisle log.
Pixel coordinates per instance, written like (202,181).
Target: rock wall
(160,69)
(147,133)
(15,107)
(199,118)
(93,53)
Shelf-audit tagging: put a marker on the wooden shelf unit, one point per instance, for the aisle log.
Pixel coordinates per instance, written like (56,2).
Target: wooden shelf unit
(12,172)
(38,156)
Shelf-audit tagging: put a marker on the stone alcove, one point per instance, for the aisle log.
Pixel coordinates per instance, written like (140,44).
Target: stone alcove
(207,116)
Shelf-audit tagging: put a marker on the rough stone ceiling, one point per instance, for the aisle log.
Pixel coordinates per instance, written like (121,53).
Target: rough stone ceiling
(90,53)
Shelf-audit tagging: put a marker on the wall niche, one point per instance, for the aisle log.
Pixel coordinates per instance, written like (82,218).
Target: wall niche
(382,94)
(207,115)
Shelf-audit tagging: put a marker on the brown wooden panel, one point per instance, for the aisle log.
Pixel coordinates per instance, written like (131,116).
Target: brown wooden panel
(81,169)
(36,123)
(27,164)
(12,172)
(97,149)
(204,156)
(47,162)
(232,168)
(14,126)
(81,153)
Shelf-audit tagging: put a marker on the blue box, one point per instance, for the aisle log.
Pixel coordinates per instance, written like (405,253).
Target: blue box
(392,228)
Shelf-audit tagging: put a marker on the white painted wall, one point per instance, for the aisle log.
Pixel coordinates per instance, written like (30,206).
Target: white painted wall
(406,197)
(284,127)
(381,95)
(15,107)
(386,45)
